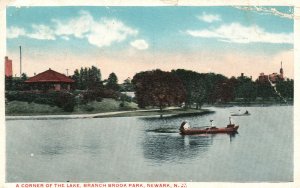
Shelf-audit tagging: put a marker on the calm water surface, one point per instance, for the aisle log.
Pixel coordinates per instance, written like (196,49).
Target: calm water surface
(151,149)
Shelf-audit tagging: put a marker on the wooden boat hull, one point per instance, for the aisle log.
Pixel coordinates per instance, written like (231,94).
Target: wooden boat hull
(228,130)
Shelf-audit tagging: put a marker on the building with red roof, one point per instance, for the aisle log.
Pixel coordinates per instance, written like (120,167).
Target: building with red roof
(274,77)
(50,80)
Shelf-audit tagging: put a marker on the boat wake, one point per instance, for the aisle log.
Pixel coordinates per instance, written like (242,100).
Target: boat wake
(163,130)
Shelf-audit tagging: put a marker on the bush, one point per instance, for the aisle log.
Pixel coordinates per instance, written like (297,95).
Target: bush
(126,98)
(91,95)
(109,93)
(89,108)
(60,99)
(122,105)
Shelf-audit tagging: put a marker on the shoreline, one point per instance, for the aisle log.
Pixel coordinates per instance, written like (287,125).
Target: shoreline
(171,112)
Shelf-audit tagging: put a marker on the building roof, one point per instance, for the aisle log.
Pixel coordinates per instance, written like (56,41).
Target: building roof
(49,76)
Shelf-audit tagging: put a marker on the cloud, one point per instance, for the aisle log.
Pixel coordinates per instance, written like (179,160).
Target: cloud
(15,32)
(140,44)
(237,33)
(269,11)
(101,33)
(42,32)
(108,31)
(209,18)
(76,26)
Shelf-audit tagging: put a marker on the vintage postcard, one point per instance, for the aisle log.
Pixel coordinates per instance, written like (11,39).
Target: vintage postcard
(154,95)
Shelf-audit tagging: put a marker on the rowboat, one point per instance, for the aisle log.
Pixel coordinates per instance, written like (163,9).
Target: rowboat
(241,114)
(229,129)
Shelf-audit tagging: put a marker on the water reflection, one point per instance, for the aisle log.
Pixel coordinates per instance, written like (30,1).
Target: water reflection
(172,147)
(52,150)
(232,136)
(176,116)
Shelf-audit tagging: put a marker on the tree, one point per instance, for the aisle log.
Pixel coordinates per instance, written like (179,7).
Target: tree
(93,78)
(24,77)
(9,83)
(213,84)
(194,86)
(158,88)
(264,90)
(286,88)
(245,89)
(87,78)
(224,92)
(112,82)
(76,78)
(127,85)
(198,94)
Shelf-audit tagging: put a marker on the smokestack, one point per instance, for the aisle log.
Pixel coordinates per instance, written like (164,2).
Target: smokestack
(20,61)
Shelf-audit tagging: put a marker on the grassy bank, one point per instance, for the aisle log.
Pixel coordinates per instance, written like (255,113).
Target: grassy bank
(18,108)
(15,108)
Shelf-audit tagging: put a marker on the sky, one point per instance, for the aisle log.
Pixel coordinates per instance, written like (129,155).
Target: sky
(126,40)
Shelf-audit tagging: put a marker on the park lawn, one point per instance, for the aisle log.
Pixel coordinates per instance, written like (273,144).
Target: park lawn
(25,108)
(14,108)
(106,105)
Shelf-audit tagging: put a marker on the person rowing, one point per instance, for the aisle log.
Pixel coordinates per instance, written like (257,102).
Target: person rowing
(185,125)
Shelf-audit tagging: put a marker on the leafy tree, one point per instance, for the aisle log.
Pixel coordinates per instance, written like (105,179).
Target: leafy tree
(286,88)
(87,78)
(24,77)
(224,92)
(8,83)
(213,87)
(245,89)
(93,78)
(264,90)
(76,78)
(194,86)
(112,82)
(126,85)
(158,88)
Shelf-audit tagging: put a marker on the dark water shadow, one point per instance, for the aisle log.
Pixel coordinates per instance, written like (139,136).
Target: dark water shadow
(176,116)
(163,130)
(163,145)
(169,146)
(50,150)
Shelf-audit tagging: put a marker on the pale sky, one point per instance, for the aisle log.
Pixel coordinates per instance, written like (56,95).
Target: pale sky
(126,40)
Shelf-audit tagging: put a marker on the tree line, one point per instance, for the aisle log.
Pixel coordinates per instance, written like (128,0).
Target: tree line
(190,88)
(175,88)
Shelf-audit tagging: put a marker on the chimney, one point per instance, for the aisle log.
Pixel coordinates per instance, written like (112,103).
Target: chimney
(8,67)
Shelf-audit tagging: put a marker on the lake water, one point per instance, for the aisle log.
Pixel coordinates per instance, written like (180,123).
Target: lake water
(151,149)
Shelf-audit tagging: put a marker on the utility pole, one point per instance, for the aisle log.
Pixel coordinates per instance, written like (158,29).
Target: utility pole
(67,72)
(20,61)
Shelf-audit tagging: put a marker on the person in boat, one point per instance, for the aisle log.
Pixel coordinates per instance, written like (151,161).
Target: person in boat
(212,124)
(230,125)
(185,125)
(246,112)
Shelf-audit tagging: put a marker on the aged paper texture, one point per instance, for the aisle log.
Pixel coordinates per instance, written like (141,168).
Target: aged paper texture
(154,94)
